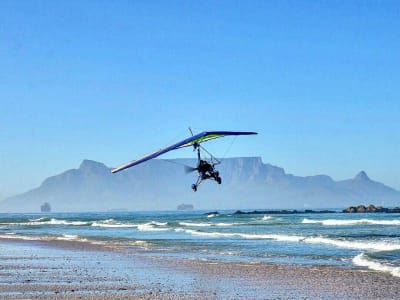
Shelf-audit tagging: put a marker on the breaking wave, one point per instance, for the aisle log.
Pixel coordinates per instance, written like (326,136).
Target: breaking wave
(363,261)
(13,236)
(53,221)
(40,219)
(212,215)
(362,245)
(277,237)
(150,226)
(335,222)
(48,221)
(202,224)
(153,226)
(190,224)
(111,223)
(71,237)
(65,237)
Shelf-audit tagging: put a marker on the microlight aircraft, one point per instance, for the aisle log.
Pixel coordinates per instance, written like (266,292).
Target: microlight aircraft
(205,167)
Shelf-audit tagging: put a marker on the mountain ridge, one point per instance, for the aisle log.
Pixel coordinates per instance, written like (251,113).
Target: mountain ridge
(162,185)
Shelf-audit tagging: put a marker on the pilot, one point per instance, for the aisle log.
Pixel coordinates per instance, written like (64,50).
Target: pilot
(204,168)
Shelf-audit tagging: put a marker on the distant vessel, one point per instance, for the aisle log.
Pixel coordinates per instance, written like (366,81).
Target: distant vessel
(45,207)
(184,206)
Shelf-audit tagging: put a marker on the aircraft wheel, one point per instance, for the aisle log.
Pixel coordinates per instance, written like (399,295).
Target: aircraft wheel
(194,187)
(219,180)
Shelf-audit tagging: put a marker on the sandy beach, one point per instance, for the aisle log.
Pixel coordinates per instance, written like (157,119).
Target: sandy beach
(79,270)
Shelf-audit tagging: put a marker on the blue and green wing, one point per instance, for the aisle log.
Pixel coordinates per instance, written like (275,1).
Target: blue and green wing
(191,141)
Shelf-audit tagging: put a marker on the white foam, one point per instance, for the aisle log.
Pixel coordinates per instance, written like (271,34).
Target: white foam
(158,223)
(232,253)
(65,222)
(190,224)
(289,238)
(202,224)
(209,234)
(114,225)
(141,243)
(212,215)
(64,237)
(363,261)
(69,237)
(336,222)
(152,226)
(267,218)
(19,237)
(225,224)
(362,245)
(52,221)
(39,219)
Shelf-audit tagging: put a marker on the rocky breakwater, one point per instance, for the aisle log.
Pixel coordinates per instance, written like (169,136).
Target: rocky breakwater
(370,209)
(283,212)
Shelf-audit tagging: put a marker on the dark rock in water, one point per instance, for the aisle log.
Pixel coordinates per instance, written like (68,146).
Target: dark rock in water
(361,209)
(45,207)
(325,211)
(266,212)
(283,212)
(350,209)
(394,210)
(184,206)
(370,209)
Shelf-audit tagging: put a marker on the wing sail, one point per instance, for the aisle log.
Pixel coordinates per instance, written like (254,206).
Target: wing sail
(196,139)
(210,135)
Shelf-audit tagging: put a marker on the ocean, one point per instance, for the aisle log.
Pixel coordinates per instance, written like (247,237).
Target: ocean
(362,241)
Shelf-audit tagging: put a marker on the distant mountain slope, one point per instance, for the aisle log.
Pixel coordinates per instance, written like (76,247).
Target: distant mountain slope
(162,185)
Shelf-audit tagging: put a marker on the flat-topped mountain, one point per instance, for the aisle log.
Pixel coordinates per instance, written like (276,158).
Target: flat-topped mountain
(162,185)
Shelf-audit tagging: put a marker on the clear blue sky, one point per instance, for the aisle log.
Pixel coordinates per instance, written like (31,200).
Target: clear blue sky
(113,80)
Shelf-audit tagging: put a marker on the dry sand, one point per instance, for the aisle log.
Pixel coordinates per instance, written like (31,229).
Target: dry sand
(76,270)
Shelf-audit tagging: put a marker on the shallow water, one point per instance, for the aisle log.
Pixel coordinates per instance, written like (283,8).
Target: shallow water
(351,240)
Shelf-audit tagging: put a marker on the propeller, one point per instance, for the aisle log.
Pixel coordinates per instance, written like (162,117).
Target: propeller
(189,169)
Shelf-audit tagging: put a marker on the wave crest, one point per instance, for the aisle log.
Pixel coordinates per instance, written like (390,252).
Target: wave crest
(111,223)
(363,261)
(337,222)
(362,245)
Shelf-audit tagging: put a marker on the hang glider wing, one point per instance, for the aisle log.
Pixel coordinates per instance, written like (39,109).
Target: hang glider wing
(191,141)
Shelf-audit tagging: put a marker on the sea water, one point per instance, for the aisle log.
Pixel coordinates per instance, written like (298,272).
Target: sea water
(370,241)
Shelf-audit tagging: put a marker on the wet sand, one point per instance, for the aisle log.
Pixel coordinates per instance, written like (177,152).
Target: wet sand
(78,270)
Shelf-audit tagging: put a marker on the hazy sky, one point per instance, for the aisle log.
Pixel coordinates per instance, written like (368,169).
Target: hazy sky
(113,80)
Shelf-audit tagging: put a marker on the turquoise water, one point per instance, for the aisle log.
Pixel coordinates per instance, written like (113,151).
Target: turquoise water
(350,240)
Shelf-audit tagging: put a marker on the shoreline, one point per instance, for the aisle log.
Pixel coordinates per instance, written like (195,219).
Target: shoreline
(74,269)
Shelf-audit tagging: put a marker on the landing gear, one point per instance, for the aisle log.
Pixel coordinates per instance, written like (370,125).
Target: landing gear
(215,176)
